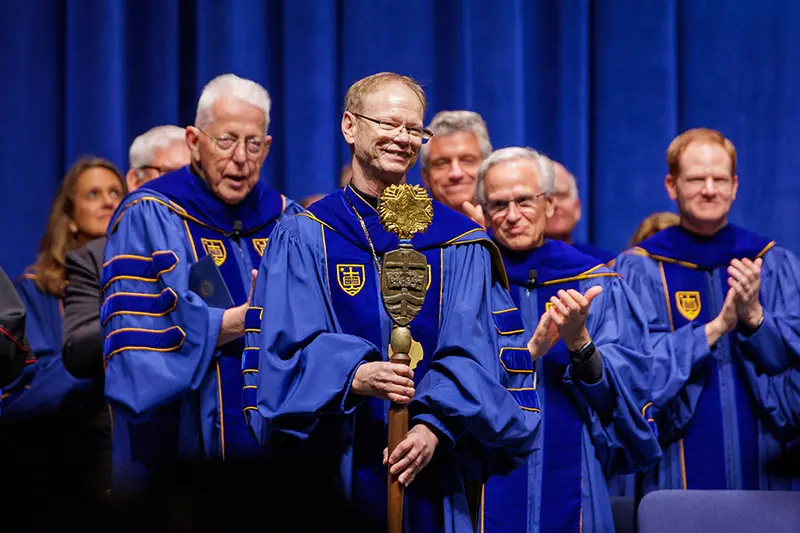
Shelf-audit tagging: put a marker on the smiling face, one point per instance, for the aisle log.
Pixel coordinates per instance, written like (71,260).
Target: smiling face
(230,174)
(453,162)
(516,207)
(704,188)
(385,155)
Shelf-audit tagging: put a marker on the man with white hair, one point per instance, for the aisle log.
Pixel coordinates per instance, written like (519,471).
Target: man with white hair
(567,214)
(178,271)
(588,341)
(156,152)
(451,159)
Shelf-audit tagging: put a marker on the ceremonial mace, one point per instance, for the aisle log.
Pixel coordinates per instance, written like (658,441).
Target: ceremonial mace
(404,210)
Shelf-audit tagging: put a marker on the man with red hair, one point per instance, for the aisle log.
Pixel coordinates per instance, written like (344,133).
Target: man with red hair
(724,314)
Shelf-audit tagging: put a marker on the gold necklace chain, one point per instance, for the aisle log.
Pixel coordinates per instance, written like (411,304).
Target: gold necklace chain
(366,234)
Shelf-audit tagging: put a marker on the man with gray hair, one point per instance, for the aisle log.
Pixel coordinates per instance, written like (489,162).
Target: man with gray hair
(567,214)
(177,277)
(322,375)
(591,359)
(156,152)
(451,159)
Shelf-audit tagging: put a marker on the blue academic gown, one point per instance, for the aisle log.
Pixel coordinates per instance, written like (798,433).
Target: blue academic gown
(46,387)
(602,255)
(473,385)
(173,393)
(589,431)
(726,414)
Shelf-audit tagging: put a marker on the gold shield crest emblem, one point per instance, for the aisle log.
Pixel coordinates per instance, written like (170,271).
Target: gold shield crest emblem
(350,278)
(216,249)
(688,304)
(404,282)
(259,245)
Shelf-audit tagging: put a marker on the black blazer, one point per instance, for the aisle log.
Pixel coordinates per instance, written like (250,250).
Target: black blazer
(13,347)
(83,334)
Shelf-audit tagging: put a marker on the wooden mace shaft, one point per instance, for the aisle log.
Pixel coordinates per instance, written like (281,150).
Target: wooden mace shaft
(398,429)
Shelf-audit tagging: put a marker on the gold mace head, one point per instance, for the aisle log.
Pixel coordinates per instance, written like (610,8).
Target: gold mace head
(405,210)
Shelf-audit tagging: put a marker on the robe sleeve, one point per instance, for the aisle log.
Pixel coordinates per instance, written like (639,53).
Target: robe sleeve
(159,337)
(778,400)
(483,406)
(775,345)
(614,408)
(305,366)
(679,356)
(769,356)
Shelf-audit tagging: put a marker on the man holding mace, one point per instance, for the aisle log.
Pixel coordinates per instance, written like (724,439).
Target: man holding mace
(385,295)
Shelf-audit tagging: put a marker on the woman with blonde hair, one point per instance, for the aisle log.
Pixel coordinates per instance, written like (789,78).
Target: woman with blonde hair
(88,196)
(652,225)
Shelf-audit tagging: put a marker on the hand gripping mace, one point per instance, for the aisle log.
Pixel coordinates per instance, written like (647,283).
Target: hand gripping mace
(404,210)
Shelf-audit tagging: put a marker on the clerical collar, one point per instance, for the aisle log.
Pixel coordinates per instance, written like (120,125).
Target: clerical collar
(371,200)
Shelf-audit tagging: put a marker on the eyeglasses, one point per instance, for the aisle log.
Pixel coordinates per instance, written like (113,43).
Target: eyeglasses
(392,128)
(227,145)
(499,208)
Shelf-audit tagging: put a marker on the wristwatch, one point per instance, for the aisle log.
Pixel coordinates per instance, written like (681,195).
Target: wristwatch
(585,366)
(582,355)
(747,331)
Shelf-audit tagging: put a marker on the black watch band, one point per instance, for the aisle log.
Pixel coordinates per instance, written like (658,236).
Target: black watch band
(582,355)
(746,330)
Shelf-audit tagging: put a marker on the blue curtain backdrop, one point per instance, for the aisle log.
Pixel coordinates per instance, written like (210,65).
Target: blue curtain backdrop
(602,86)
